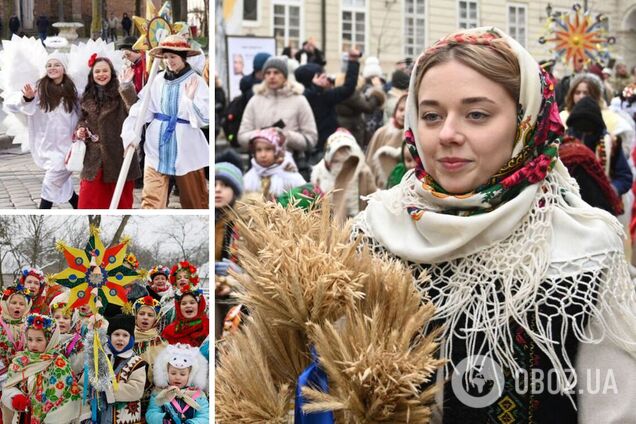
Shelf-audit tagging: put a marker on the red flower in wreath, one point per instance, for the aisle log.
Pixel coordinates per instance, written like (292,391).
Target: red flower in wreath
(92,60)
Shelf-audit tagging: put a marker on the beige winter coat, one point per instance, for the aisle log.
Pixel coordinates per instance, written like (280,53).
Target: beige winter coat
(288,104)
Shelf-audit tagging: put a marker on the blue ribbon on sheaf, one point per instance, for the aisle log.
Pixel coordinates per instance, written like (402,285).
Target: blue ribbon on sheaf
(314,377)
(172,125)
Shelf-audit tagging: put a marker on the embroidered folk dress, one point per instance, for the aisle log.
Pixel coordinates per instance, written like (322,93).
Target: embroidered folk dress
(50,138)
(175,144)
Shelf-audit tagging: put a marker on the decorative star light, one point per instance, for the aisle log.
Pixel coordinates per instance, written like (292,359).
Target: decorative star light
(95,272)
(156,26)
(577,35)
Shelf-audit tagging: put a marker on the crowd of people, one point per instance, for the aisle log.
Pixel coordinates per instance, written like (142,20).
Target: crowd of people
(157,347)
(475,165)
(104,115)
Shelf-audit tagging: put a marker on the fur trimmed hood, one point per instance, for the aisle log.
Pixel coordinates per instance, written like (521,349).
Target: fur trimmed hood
(291,88)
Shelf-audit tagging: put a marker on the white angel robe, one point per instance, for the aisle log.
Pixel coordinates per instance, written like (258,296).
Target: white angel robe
(186,149)
(50,139)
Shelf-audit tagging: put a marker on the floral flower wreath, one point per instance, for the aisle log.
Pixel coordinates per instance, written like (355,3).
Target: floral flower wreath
(157,270)
(184,266)
(131,259)
(28,271)
(17,289)
(188,289)
(41,322)
(61,305)
(147,301)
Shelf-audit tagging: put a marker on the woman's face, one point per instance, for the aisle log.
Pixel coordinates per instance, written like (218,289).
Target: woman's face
(399,113)
(17,306)
(32,283)
(580,91)
(159,283)
(466,126)
(55,70)
(173,61)
(189,307)
(146,318)
(182,279)
(101,73)
(63,321)
(36,341)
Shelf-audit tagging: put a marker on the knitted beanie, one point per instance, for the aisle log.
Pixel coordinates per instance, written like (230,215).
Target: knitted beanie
(121,322)
(259,60)
(400,80)
(586,116)
(279,63)
(372,68)
(230,175)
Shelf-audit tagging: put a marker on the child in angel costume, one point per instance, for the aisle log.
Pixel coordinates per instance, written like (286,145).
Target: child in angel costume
(40,386)
(181,377)
(148,341)
(51,109)
(175,144)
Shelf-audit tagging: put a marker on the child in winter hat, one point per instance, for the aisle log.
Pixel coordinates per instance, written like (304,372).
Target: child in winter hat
(181,376)
(273,171)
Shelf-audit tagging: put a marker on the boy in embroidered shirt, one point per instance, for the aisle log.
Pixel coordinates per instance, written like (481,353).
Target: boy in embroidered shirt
(181,376)
(273,170)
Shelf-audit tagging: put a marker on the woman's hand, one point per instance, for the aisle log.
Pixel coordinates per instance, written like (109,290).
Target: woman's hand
(81,133)
(127,75)
(28,92)
(191,87)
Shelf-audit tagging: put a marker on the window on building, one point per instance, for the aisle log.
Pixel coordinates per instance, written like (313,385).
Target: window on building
(353,24)
(287,24)
(517,23)
(250,10)
(414,27)
(468,14)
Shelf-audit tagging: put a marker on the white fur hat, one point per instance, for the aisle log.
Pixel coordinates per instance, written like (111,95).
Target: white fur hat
(372,67)
(59,56)
(181,356)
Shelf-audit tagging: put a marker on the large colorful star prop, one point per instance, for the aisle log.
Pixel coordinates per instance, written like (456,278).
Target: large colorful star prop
(155,26)
(577,35)
(95,272)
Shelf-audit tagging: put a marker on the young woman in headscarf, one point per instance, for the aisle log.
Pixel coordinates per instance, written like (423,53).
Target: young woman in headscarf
(527,279)
(40,386)
(51,108)
(191,325)
(14,307)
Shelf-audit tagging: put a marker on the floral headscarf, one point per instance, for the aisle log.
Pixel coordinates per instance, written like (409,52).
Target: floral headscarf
(536,140)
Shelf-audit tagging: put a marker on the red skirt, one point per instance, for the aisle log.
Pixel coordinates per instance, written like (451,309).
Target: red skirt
(97,194)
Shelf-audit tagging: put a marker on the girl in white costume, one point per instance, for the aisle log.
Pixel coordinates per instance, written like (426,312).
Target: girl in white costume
(175,144)
(51,109)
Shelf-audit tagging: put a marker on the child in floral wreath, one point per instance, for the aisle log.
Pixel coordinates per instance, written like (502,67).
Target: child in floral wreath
(40,386)
(71,343)
(160,289)
(191,325)
(34,280)
(181,274)
(15,305)
(148,341)
(181,376)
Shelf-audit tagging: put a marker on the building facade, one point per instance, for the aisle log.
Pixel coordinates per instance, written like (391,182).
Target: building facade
(395,29)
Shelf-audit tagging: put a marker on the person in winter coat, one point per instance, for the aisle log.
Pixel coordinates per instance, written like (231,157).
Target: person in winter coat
(383,152)
(279,101)
(350,111)
(273,170)
(373,78)
(248,82)
(399,87)
(103,112)
(323,99)
(309,53)
(344,168)
(126,24)
(181,377)
(14,24)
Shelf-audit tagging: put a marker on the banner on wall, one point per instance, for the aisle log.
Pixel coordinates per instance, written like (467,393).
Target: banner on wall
(240,55)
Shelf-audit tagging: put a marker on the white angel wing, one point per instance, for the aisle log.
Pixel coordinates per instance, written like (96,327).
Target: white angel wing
(16,127)
(22,61)
(78,68)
